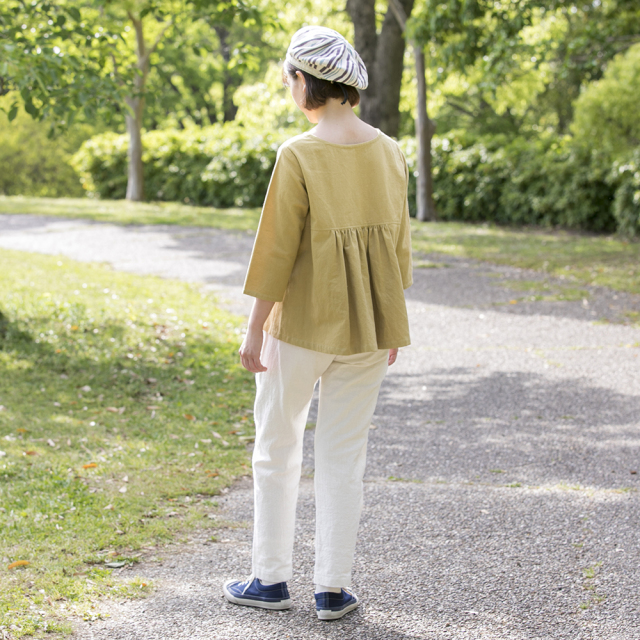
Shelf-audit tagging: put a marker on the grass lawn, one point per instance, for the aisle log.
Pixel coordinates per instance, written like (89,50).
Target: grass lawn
(125,212)
(598,260)
(123,413)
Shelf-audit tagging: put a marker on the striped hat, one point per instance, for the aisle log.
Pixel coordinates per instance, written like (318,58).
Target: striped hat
(325,54)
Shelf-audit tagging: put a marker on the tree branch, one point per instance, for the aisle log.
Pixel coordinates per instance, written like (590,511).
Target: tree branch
(399,13)
(115,69)
(157,41)
(453,105)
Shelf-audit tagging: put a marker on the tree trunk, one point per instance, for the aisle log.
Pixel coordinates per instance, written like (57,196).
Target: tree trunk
(229,82)
(426,209)
(135,102)
(135,181)
(383,55)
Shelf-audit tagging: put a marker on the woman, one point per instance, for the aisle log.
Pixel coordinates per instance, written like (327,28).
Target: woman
(331,258)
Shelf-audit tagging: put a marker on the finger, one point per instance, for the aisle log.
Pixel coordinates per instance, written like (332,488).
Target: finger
(248,365)
(258,365)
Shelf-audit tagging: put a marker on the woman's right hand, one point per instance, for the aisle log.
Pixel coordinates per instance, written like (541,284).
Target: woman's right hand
(250,351)
(393,354)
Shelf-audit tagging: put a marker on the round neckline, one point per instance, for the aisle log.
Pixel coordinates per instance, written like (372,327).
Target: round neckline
(353,144)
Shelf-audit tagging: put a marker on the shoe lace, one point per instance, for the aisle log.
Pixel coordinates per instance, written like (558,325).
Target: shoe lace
(246,584)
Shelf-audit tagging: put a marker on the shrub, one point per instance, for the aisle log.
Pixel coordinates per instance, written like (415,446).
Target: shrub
(606,113)
(625,176)
(34,165)
(546,181)
(223,165)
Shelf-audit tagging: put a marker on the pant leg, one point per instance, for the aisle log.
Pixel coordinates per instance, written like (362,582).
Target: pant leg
(283,396)
(348,396)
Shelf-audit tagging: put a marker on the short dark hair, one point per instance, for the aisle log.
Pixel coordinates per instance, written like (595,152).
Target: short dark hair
(318,90)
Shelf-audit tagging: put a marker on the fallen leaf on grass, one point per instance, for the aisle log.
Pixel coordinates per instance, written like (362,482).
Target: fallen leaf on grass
(212,474)
(216,434)
(18,563)
(115,565)
(123,490)
(86,388)
(109,506)
(51,443)
(152,407)
(31,453)
(513,302)
(90,465)
(173,436)
(116,409)
(22,430)
(188,416)
(171,513)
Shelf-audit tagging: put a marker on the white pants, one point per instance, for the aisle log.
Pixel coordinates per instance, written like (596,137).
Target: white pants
(349,387)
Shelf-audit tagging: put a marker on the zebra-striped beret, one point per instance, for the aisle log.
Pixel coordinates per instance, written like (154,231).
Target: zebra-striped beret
(325,54)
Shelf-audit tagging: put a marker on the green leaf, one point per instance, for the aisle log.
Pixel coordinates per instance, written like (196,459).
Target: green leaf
(13,112)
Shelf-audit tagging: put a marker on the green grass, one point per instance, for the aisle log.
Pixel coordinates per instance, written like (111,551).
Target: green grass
(544,290)
(125,212)
(123,412)
(595,260)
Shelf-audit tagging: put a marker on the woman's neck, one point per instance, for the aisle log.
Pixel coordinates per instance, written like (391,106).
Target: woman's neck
(338,123)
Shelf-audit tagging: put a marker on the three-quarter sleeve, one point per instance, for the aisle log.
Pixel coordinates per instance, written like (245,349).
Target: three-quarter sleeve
(280,229)
(403,246)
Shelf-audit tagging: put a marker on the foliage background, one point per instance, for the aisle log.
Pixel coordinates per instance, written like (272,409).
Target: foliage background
(535,104)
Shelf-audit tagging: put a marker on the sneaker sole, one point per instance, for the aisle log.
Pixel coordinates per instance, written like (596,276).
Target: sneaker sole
(273,606)
(327,614)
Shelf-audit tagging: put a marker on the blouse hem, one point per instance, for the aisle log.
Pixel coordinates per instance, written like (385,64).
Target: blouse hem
(404,342)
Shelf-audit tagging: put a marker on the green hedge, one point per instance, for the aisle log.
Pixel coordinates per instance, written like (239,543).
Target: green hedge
(33,164)
(548,182)
(626,207)
(224,165)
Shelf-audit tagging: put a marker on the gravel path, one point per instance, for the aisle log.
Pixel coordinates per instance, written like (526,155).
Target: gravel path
(501,494)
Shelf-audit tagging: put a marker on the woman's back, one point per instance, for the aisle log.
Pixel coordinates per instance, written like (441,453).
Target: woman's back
(333,248)
(351,184)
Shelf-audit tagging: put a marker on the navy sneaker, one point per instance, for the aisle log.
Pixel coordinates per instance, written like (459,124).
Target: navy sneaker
(331,606)
(253,593)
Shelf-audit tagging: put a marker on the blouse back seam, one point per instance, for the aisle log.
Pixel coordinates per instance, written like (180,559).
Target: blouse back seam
(359,226)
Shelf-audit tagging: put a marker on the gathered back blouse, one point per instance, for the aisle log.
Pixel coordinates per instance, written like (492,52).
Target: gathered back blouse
(333,247)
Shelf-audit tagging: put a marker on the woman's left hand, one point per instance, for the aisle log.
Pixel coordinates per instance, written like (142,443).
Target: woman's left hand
(393,354)
(250,351)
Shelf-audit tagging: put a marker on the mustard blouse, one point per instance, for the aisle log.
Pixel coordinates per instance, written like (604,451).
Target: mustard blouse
(333,247)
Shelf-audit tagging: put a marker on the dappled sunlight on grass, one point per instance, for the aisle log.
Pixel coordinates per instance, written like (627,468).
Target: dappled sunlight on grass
(588,259)
(123,412)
